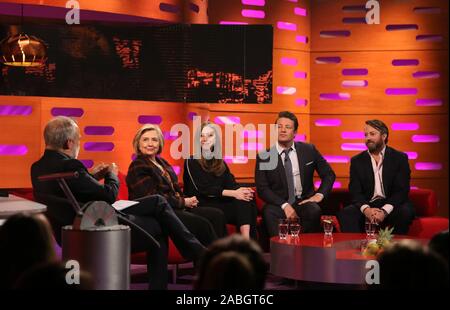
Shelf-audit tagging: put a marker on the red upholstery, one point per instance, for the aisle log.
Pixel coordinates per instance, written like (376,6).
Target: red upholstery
(26,193)
(425,202)
(425,225)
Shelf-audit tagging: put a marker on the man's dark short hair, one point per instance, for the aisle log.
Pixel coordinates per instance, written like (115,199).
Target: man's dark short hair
(380,126)
(289,115)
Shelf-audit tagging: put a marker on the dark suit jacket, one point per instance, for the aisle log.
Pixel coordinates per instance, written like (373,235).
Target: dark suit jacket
(144,179)
(85,188)
(396,177)
(272,184)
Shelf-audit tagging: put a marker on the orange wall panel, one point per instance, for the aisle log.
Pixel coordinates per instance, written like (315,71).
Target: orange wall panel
(329,140)
(19,130)
(382,75)
(328,15)
(272,12)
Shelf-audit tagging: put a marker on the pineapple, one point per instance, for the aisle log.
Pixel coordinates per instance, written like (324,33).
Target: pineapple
(385,236)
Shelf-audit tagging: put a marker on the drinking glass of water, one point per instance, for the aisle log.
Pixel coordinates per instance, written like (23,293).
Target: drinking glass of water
(294,227)
(370,226)
(328,225)
(283,228)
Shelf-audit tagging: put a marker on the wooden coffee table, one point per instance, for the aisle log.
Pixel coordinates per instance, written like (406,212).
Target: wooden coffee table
(311,257)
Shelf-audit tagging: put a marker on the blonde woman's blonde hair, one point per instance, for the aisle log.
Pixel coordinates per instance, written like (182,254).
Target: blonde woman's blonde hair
(144,129)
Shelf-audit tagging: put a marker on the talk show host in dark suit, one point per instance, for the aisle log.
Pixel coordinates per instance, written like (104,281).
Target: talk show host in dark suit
(285,182)
(153,213)
(379,184)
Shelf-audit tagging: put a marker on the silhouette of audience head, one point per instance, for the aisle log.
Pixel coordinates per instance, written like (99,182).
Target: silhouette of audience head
(233,262)
(54,276)
(410,265)
(25,241)
(439,244)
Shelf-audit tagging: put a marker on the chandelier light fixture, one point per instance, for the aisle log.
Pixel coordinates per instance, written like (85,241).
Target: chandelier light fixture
(22,50)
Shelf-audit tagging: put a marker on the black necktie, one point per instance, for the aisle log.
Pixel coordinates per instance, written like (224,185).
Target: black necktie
(289,176)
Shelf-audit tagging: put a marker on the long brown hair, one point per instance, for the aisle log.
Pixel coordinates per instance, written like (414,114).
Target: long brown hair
(215,166)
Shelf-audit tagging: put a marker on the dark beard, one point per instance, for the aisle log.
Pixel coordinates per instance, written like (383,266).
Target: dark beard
(374,147)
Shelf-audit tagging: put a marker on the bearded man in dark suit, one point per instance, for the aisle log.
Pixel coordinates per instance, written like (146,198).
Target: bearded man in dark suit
(379,185)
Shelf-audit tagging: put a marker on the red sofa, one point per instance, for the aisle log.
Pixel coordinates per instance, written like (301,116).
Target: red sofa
(425,225)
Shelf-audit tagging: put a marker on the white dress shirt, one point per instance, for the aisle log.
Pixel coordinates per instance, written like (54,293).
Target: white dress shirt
(295,167)
(295,171)
(378,191)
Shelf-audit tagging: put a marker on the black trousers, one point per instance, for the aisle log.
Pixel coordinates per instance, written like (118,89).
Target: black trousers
(309,214)
(207,224)
(351,218)
(156,216)
(237,212)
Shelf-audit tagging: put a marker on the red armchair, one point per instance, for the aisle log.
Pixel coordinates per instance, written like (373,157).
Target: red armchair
(174,258)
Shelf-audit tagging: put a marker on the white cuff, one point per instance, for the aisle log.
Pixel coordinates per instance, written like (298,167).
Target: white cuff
(363,208)
(388,208)
(284,205)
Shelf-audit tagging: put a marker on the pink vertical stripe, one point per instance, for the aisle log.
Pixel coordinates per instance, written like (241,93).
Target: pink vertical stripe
(300,138)
(254,2)
(412,155)
(425,138)
(428,166)
(287,26)
(352,135)
(253,13)
(337,159)
(300,11)
(300,75)
(288,61)
(222,120)
(405,126)
(328,122)
(301,102)
(286,90)
(224,22)
(353,147)
(301,39)
(336,184)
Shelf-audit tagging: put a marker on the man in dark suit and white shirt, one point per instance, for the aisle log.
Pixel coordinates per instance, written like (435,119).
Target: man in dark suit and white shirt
(379,184)
(287,187)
